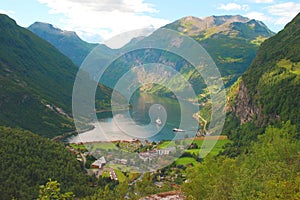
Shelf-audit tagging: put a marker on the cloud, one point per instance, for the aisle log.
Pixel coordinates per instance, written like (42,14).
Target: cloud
(258,16)
(7,12)
(233,6)
(284,12)
(94,19)
(263,1)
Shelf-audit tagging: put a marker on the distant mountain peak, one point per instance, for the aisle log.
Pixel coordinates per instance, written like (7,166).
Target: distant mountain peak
(67,42)
(211,21)
(225,24)
(46,27)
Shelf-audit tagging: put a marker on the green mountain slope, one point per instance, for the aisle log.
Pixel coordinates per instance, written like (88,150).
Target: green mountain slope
(67,42)
(232,41)
(36,82)
(269,91)
(28,161)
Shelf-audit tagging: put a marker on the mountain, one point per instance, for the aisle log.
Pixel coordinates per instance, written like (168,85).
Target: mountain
(263,124)
(269,91)
(232,41)
(67,42)
(36,82)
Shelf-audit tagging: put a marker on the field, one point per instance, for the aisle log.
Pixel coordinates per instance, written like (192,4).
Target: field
(211,146)
(185,161)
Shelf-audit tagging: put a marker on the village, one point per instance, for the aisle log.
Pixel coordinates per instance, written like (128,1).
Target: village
(107,160)
(114,159)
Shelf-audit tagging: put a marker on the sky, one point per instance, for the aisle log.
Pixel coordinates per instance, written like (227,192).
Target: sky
(99,20)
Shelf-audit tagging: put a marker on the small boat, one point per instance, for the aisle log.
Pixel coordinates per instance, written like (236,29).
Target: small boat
(158,121)
(178,130)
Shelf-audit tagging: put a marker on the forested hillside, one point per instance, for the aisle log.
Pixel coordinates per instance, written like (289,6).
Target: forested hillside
(263,122)
(36,83)
(66,42)
(28,161)
(269,89)
(232,42)
(268,170)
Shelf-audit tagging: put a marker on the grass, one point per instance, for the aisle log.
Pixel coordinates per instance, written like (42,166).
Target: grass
(120,175)
(80,147)
(259,40)
(230,60)
(105,174)
(166,144)
(290,66)
(134,176)
(104,146)
(202,150)
(123,168)
(185,161)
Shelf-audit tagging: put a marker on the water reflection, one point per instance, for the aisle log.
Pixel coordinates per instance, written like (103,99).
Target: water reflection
(140,122)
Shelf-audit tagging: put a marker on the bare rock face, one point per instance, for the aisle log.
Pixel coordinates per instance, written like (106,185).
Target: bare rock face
(245,109)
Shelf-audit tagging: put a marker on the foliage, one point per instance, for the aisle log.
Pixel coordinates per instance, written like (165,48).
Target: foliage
(269,170)
(66,42)
(28,160)
(33,74)
(273,79)
(51,191)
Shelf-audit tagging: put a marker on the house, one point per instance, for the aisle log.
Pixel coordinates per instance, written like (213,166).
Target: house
(99,163)
(166,151)
(121,161)
(124,161)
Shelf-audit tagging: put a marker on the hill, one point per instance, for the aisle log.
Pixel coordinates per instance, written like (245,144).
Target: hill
(67,42)
(269,90)
(28,161)
(263,122)
(232,41)
(36,82)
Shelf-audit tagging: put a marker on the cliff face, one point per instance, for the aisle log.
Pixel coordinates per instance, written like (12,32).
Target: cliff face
(244,108)
(269,91)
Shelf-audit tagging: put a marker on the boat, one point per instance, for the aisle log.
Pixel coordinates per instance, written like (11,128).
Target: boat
(178,130)
(158,121)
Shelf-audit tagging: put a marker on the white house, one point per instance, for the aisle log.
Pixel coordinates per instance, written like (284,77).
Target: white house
(99,163)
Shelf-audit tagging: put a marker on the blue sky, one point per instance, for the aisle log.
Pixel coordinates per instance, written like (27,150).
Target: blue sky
(97,20)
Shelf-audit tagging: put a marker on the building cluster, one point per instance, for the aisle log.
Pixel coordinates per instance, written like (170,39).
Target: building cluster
(150,155)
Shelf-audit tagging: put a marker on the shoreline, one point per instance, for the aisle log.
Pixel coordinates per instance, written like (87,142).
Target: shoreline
(110,110)
(220,137)
(59,138)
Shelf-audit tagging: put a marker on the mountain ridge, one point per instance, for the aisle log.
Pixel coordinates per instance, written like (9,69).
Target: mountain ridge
(67,42)
(268,89)
(34,74)
(194,26)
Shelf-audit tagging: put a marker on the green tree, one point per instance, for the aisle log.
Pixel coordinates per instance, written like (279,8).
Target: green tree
(51,191)
(270,169)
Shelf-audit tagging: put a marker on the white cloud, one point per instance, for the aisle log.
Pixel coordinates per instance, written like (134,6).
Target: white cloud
(7,12)
(263,1)
(284,12)
(258,16)
(105,18)
(233,6)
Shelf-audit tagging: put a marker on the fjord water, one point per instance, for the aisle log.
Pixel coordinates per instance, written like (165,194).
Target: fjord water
(144,107)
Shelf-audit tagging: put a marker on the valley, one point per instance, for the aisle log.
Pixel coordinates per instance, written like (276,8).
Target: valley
(140,137)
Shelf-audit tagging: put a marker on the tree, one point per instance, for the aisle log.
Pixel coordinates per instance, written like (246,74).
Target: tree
(51,191)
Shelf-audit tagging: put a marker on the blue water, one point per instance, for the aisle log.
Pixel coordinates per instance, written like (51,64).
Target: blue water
(143,107)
